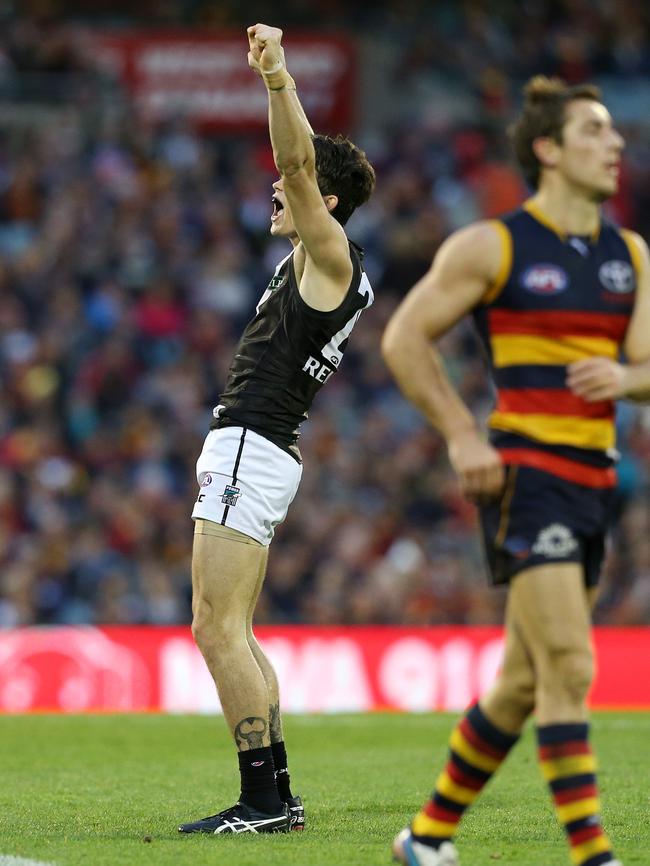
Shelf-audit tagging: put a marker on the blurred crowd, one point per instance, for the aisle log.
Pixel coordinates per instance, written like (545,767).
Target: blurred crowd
(131,256)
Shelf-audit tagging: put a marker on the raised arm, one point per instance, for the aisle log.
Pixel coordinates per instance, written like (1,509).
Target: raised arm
(327,266)
(462,272)
(596,379)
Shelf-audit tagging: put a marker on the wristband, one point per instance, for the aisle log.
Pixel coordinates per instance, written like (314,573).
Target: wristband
(278,78)
(289,84)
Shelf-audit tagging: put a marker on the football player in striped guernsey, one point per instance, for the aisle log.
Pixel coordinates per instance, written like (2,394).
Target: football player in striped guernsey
(559,294)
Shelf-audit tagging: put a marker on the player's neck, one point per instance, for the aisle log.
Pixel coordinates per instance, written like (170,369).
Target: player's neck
(570,211)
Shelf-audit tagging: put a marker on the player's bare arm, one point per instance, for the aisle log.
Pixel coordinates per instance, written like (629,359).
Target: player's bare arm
(322,258)
(461,274)
(596,379)
(284,78)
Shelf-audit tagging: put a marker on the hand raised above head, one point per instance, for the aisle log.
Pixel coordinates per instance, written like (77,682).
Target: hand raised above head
(265,47)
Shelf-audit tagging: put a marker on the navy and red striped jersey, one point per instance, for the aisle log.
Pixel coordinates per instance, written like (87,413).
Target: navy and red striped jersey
(557,299)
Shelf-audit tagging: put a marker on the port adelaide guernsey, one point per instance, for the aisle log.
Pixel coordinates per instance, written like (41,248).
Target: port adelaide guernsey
(286,354)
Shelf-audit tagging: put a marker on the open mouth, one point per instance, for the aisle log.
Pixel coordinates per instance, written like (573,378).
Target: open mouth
(278,207)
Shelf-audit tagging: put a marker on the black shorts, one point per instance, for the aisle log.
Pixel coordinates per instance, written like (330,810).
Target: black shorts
(542,519)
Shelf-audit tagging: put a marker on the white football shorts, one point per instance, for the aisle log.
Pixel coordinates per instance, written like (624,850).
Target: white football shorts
(246,482)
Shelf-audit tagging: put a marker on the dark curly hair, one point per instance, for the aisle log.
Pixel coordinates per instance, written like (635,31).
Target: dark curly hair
(343,170)
(543,116)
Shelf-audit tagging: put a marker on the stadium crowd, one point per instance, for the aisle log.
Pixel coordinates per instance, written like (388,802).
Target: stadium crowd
(131,256)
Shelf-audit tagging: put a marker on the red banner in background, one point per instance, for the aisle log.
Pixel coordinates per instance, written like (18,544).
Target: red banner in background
(320,669)
(205,78)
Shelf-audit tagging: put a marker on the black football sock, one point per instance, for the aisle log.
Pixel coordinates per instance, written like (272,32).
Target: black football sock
(258,785)
(281,772)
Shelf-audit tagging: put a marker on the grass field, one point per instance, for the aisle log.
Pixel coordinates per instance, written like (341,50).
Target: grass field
(87,790)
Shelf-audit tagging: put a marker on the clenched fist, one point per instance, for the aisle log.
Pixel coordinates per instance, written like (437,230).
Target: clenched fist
(265,54)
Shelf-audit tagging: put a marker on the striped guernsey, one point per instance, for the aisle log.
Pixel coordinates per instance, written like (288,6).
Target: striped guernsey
(557,299)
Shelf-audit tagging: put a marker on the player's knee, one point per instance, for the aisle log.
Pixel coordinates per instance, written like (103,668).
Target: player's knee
(523,694)
(571,672)
(201,627)
(519,691)
(213,630)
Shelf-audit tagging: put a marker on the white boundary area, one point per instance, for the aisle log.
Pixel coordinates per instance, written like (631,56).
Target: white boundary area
(9,860)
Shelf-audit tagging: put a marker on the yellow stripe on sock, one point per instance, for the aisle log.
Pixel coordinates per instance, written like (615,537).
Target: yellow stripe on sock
(449,789)
(578,810)
(588,849)
(422,825)
(468,753)
(574,765)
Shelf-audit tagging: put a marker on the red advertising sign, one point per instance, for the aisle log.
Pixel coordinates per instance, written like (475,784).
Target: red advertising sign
(205,76)
(320,669)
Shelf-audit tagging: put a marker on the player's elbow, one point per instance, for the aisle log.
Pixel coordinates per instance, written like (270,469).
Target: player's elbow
(404,343)
(289,168)
(295,166)
(391,344)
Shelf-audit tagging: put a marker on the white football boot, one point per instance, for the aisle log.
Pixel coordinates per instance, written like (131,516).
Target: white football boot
(411,853)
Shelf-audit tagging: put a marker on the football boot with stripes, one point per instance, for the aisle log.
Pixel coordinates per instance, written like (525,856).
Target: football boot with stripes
(240,818)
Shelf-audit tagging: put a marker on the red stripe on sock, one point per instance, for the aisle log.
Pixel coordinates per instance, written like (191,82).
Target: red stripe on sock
(580,836)
(464,779)
(571,794)
(433,810)
(564,750)
(479,743)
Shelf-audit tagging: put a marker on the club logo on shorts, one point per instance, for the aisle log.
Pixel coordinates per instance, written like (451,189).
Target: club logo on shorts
(617,276)
(207,480)
(230,495)
(555,542)
(544,279)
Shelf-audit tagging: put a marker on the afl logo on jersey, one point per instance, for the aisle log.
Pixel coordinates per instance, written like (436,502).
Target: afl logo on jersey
(617,276)
(544,279)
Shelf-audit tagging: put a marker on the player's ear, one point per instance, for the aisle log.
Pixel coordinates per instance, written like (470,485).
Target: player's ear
(330,202)
(547,151)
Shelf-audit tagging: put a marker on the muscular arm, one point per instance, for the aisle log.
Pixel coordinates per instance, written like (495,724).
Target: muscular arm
(462,272)
(327,266)
(596,379)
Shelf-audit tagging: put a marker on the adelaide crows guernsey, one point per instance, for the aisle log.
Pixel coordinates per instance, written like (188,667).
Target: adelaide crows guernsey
(557,299)
(286,354)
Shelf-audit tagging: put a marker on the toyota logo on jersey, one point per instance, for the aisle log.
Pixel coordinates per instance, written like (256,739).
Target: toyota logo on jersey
(617,276)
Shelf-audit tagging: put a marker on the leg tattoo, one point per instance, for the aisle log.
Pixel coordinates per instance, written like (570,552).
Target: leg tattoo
(275,723)
(250,733)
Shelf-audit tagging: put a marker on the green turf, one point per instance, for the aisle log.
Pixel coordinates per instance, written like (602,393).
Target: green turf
(87,790)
